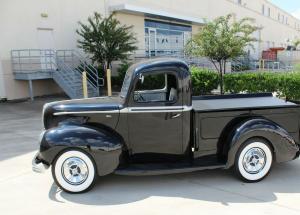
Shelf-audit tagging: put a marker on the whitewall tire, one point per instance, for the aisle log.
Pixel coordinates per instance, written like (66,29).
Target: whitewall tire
(254,160)
(74,171)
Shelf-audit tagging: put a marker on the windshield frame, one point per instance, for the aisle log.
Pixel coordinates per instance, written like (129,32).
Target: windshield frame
(126,84)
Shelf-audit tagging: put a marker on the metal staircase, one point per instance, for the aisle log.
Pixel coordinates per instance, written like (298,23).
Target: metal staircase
(65,67)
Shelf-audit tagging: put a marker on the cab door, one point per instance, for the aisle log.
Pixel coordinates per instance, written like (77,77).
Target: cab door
(155,113)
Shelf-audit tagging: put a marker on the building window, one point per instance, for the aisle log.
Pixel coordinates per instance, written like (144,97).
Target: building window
(269,12)
(278,17)
(282,20)
(286,21)
(239,2)
(263,9)
(162,38)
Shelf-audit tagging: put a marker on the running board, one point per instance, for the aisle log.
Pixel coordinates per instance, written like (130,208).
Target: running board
(150,169)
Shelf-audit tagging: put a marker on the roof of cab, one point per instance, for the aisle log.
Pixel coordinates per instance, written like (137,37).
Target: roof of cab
(158,62)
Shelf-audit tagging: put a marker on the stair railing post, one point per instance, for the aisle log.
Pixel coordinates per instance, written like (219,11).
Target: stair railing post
(84,85)
(108,72)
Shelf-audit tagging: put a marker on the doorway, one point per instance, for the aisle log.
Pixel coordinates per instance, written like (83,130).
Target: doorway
(152,42)
(45,38)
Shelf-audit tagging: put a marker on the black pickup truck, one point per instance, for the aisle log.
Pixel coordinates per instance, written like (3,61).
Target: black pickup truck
(155,126)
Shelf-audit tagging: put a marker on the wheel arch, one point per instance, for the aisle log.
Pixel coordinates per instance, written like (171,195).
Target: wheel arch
(104,145)
(283,145)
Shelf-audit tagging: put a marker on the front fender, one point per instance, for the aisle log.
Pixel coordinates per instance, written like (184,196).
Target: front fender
(104,146)
(285,148)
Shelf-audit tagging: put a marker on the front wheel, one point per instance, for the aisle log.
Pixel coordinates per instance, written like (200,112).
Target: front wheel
(253,160)
(74,171)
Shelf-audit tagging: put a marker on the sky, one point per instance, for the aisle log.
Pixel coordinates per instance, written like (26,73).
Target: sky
(291,6)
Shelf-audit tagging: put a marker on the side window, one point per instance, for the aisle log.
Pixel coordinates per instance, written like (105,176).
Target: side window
(159,87)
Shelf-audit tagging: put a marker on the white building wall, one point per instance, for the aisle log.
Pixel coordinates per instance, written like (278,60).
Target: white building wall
(21,21)
(274,32)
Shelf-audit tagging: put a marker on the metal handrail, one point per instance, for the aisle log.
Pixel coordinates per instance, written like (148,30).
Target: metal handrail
(80,63)
(48,60)
(141,54)
(30,60)
(63,58)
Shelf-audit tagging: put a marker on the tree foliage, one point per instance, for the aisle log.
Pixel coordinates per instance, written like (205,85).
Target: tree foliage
(106,39)
(297,43)
(222,39)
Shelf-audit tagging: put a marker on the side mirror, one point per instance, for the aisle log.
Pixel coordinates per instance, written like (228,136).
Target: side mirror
(141,78)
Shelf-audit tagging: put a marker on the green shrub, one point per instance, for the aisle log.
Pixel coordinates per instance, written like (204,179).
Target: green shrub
(252,82)
(118,80)
(204,80)
(285,84)
(290,86)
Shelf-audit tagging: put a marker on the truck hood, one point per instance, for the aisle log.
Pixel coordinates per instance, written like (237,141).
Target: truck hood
(79,105)
(82,107)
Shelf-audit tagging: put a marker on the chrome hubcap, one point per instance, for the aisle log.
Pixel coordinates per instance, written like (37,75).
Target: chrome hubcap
(254,160)
(75,171)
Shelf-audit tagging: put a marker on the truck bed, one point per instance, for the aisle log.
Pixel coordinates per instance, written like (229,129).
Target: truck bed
(238,102)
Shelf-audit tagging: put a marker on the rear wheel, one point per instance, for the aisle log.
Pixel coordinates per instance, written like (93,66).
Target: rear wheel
(254,160)
(74,171)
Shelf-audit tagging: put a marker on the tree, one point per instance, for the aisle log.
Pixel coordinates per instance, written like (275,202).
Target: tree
(296,43)
(106,39)
(222,39)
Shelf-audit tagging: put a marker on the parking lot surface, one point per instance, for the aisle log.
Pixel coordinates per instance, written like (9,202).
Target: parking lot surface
(206,192)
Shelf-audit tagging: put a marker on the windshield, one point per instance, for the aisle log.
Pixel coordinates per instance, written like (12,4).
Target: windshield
(126,84)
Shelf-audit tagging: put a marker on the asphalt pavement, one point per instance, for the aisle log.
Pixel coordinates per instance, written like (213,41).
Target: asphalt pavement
(206,192)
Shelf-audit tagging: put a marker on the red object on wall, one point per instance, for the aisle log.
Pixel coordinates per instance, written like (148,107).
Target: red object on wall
(271,54)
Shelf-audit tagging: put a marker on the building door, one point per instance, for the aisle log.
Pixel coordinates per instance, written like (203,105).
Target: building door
(46,45)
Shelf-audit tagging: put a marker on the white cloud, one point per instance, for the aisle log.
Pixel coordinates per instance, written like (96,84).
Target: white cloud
(297,13)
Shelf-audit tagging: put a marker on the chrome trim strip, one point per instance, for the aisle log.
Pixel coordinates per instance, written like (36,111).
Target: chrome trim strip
(160,109)
(85,112)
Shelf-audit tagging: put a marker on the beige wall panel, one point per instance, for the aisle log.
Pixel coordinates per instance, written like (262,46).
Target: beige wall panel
(16,89)
(20,22)
(19,89)
(138,26)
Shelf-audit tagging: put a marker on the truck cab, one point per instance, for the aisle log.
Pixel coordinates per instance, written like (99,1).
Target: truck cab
(157,98)
(155,126)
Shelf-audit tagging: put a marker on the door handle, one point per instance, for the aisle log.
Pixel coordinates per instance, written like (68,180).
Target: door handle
(175,116)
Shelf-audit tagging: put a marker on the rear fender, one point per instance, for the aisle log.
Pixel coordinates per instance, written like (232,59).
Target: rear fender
(104,146)
(284,146)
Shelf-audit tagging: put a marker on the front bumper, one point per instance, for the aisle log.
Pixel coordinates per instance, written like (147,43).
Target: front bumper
(37,164)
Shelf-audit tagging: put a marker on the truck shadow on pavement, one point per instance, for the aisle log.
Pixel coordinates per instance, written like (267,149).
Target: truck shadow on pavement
(212,185)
